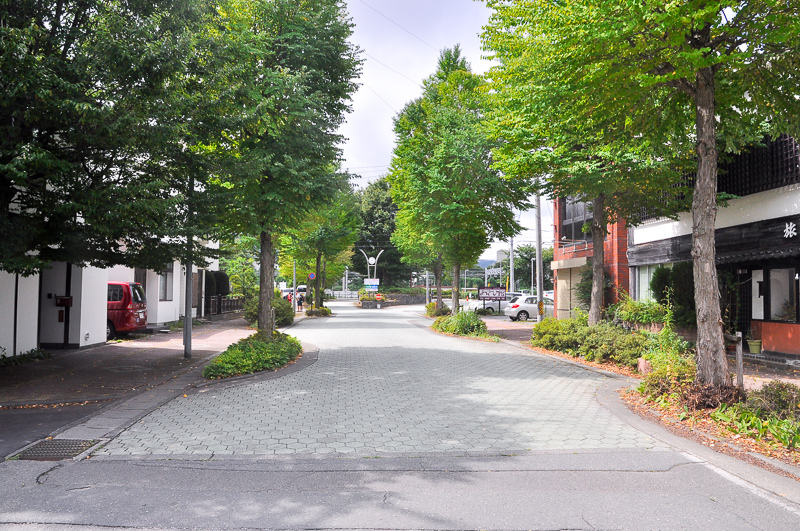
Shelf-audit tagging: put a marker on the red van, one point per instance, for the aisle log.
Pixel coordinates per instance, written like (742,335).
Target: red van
(127,308)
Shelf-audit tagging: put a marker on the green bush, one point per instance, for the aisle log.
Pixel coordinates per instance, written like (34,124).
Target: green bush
(318,312)
(754,423)
(430,310)
(223,282)
(673,364)
(776,399)
(210,285)
(284,313)
(484,311)
(608,342)
(35,354)
(259,352)
(641,312)
(461,324)
(562,335)
(251,310)
(660,283)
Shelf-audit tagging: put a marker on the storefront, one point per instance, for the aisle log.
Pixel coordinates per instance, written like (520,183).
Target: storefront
(758,266)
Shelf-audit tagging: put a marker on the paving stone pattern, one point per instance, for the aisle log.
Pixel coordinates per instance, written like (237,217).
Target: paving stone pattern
(383,386)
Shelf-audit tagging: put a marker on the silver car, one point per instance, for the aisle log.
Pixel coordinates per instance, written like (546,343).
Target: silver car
(494,306)
(523,308)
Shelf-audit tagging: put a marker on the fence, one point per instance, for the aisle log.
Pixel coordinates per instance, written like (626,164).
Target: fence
(218,305)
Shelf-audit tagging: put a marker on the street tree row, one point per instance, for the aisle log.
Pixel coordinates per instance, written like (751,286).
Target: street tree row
(132,131)
(613,101)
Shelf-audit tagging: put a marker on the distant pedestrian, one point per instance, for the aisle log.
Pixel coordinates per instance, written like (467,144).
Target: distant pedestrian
(300,300)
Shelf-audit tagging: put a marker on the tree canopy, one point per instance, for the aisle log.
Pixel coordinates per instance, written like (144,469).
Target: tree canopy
(672,80)
(450,199)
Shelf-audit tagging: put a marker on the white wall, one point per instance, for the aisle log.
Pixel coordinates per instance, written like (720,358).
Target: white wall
(88,313)
(120,274)
(91,326)
(53,284)
(777,203)
(27,317)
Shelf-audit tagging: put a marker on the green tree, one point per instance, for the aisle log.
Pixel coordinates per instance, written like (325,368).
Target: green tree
(290,75)
(441,176)
(378,212)
(695,77)
(523,255)
(326,234)
(238,260)
(82,105)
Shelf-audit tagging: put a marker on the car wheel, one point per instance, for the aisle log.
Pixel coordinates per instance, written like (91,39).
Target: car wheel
(111,332)
(523,316)
(512,318)
(490,310)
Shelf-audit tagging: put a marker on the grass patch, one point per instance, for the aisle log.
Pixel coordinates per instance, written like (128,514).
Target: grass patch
(252,354)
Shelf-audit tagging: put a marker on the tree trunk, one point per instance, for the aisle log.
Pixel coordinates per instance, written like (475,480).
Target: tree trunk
(324,280)
(456,287)
(317,292)
(266,290)
(437,276)
(712,363)
(598,259)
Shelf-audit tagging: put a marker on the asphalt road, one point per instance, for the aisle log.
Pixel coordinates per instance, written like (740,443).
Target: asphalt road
(390,426)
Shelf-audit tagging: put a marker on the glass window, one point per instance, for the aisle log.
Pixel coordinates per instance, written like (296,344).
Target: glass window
(114,293)
(165,284)
(137,293)
(783,301)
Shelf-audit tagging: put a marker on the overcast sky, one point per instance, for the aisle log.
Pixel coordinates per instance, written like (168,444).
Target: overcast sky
(401,40)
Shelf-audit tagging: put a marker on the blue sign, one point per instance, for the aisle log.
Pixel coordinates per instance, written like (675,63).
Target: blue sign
(312,276)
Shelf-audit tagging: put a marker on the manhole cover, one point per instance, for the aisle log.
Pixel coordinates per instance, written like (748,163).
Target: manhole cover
(55,450)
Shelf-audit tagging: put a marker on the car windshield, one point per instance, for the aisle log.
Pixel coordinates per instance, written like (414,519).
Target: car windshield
(513,299)
(137,293)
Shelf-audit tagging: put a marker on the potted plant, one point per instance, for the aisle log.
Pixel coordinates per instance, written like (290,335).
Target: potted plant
(753,342)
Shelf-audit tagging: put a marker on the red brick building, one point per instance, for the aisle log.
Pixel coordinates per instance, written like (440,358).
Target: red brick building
(573,248)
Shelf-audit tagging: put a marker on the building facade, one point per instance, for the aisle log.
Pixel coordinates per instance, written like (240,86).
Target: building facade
(573,248)
(757,245)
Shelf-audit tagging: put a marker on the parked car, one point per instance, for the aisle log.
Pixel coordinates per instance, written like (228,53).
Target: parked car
(492,306)
(523,308)
(127,309)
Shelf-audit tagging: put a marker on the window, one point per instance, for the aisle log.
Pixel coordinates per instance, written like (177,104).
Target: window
(576,215)
(165,283)
(114,293)
(782,295)
(137,293)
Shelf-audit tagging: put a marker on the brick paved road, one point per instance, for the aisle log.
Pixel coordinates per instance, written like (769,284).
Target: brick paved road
(385,385)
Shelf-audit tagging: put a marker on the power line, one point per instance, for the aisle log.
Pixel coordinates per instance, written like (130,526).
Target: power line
(381,98)
(399,26)
(393,70)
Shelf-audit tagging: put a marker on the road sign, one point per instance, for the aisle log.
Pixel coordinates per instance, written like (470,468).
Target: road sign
(371,284)
(541,308)
(491,294)
(312,276)
(378,296)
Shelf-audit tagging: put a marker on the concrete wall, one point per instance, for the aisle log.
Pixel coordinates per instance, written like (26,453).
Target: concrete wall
(19,311)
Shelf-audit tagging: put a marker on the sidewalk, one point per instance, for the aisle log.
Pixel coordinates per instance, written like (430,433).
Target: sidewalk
(755,376)
(115,369)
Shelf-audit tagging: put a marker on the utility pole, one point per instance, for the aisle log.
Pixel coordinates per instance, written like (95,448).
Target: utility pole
(539,257)
(294,285)
(187,308)
(427,288)
(511,265)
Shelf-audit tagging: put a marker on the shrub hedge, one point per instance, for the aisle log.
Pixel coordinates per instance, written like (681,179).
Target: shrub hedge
(430,310)
(256,353)
(461,324)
